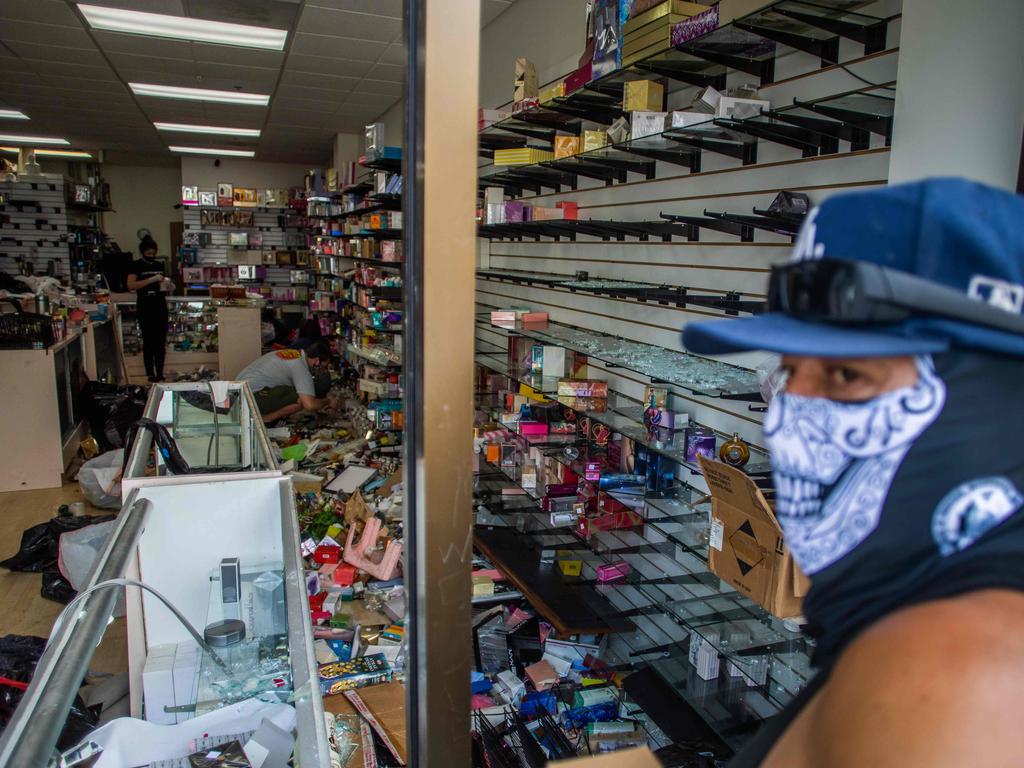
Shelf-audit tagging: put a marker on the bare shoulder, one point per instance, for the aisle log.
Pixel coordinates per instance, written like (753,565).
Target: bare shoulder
(937,684)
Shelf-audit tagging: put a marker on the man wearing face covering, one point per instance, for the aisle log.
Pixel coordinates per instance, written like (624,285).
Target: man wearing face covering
(899,474)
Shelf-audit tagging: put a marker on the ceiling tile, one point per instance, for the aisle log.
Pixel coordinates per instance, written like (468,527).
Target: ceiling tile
(53,11)
(368,100)
(54,71)
(394,54)
(247,57)
(390,72)
(44,34)
(327,84)
(337,47)
(298,62)
(313,105)
(363,26)
(127,64)
(379,87)
(255,79)
(392,8)
(170,7)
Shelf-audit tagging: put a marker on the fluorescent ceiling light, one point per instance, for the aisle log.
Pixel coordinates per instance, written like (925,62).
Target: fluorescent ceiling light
(183,28)
(12,138)
(50,152)
(199,94)
(212,151)
(184,128)
(12,114)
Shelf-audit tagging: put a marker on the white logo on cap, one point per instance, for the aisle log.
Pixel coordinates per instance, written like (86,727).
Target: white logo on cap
(997,293)
(805,248)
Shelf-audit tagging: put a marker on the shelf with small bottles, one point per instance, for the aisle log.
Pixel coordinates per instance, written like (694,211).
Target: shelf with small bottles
(666,593)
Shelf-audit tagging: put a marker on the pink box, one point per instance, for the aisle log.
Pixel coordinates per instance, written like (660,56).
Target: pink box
(592,471)
(533,428)
(570,210)
(612,571)
(579,78)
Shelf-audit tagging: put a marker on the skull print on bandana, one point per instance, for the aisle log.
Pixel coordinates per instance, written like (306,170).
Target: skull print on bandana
(833,462)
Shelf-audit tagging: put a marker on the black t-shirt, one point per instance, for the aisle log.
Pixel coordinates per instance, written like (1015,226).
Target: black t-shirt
(144,268)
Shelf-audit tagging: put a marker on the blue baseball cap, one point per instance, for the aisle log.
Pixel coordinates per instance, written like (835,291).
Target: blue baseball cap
(954,232)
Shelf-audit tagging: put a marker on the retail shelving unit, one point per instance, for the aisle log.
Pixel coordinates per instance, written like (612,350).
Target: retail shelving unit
(672,228)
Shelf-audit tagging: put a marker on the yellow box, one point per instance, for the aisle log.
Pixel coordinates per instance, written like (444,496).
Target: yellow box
(593,140)
(553,91)
(568,567)
(630,58)
(482,586)
(680,8)
(521,156)
(566,146)
(659,35)
(643,96)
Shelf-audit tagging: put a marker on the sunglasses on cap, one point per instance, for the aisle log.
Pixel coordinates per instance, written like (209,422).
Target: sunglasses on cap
(843,291)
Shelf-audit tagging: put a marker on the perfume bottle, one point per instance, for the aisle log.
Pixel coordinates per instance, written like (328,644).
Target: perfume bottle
(734,452)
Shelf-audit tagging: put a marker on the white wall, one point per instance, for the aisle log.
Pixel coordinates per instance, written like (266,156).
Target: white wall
(959,100)
(142,197)
(201,172)
(347,148)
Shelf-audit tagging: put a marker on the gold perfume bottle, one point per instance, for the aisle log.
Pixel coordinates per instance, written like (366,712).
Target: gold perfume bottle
(735,452)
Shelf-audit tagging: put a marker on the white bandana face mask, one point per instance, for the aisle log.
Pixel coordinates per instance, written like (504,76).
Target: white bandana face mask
(833,462)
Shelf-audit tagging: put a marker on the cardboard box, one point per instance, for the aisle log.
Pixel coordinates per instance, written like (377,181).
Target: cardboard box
(526,80)
(746,546)
(642,96)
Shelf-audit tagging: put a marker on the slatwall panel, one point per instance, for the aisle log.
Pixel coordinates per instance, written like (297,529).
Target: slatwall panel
(716,262)
(265,221)
(37,232)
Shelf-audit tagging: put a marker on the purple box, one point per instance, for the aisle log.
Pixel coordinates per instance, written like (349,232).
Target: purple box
(695,26)
(514,211)
(700,441)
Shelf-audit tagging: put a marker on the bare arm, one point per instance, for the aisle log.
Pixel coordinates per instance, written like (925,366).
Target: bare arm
(938,685)
(281,413)
(311,403)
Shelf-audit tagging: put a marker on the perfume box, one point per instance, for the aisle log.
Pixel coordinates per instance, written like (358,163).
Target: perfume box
(568,565)
(596,404)
(356,673)
(514,211)
(570,210)
(526,80)
(704,657)
(550,92)
(594,140)
(608,572)
(548,361)
(700,441)
(579,78)
(684,119)
(642,96)
(647,124)
(738,109)
(542,675)
(533,428)
(582,388)
(566,146)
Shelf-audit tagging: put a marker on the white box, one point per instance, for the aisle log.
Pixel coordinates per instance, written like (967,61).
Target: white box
(738,109)
(647,124)
(706,101)
(495,213)
(554,362)
(704,657)
(684,119)
(158,684)
(494,196)
(186,678)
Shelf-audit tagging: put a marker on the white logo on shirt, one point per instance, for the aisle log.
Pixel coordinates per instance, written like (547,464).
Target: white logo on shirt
(997,293)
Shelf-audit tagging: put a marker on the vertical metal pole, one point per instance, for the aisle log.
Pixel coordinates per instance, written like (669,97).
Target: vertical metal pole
(442,83)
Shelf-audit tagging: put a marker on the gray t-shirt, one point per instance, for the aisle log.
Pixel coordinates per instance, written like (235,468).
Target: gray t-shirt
(285,367)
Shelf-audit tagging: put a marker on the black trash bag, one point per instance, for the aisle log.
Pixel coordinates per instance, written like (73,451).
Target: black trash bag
(39,544)
(110,411)
(57,588)
(19,655)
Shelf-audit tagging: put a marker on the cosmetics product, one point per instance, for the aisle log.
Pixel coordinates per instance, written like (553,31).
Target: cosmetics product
(613,481)
(590,697)
(525,80)
(568,565)
(734,452)
(609,572)
(594,140)
(560,519)
(583,388)
(700,441)
(642,96)
(356,673)
(230,580)
(566,146)
(647,124)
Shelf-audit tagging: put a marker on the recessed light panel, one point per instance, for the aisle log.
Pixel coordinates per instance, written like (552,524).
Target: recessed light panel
(222,131)
(50,152)
(12,114)
(183,28)
(199,94)
(13,138)
(213,151)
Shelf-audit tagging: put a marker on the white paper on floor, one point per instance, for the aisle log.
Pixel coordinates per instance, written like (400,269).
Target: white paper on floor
(130,741)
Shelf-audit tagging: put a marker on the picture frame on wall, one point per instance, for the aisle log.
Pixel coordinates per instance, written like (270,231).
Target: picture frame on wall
(189,195)
(208,199)
(225,194)
(245,196)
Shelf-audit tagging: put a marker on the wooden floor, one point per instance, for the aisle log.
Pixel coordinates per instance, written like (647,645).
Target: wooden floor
(23,611)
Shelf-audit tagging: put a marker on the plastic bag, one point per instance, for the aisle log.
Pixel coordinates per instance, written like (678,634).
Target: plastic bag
(39,544)
(57,588)
(110,411)
(19,655)
(100,479)
(78,553)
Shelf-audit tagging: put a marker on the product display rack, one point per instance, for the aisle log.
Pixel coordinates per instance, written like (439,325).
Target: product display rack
(699,197)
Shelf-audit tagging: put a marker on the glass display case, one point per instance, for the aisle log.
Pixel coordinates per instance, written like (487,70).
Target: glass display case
(215,425)
(184,671)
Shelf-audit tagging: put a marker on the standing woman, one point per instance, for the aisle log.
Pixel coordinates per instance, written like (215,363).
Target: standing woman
(146,278)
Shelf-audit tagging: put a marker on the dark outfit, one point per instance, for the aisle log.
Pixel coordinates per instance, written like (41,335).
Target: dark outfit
(152,310)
